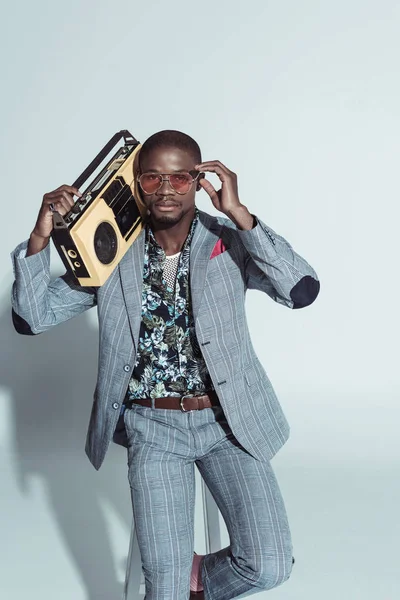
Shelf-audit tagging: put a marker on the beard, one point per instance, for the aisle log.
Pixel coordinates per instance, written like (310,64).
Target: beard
(166,218)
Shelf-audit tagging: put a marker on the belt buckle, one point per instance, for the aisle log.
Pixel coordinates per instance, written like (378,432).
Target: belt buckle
(181,402)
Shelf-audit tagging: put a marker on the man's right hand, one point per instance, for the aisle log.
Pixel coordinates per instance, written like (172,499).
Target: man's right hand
(62,200)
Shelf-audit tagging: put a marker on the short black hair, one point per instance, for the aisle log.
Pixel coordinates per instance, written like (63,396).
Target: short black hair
(168,138)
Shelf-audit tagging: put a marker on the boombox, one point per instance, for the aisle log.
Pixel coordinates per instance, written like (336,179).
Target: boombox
(95,234)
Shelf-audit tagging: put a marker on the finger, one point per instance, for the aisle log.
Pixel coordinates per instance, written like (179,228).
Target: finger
(210,189)
(56,205)
(212,165)
(222,172)
(67,188)
(60,208)
(62,196)
(59,205)
(58,194)
(68,199)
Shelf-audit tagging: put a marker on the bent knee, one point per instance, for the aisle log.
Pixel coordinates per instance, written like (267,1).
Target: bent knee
(274,571)
(266,572)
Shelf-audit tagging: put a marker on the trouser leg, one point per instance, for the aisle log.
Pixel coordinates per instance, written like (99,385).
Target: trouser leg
(247,494)
(161,476)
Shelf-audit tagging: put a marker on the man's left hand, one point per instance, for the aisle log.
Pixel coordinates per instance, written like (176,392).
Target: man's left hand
(226,199)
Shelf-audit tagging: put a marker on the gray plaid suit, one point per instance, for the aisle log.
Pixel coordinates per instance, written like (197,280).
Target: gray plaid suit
(256,259)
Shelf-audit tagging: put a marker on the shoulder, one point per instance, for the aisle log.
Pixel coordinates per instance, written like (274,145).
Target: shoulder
(216,222)
(223,227)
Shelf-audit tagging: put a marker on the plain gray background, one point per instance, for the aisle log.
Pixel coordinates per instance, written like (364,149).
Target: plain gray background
(301,99)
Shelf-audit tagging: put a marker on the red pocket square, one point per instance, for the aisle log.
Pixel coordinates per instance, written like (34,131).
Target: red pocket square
(219,248)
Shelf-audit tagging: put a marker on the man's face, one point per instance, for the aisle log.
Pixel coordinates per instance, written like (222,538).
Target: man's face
(166,205)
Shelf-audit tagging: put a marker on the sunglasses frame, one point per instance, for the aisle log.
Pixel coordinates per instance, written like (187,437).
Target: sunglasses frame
(166,177)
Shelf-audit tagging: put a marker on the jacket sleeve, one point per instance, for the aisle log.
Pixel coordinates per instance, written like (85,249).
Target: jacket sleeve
(37,303)
(273,267)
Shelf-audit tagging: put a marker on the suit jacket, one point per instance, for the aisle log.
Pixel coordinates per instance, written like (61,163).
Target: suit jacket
(256,259)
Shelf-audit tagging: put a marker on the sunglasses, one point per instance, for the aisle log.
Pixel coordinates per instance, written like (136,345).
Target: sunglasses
(179,182)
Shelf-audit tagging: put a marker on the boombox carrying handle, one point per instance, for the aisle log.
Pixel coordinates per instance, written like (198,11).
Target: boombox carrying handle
(124,133)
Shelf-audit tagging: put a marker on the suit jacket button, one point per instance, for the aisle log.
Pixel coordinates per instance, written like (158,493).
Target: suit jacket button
(115,405)
(127,368)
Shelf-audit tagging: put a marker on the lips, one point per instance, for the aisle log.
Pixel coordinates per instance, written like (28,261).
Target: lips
(168,204)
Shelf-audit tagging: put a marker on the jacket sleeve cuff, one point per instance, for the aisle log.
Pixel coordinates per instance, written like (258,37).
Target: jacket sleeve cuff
(30,265)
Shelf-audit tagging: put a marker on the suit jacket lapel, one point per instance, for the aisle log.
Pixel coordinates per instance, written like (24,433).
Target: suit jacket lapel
(131,274)
(206,234)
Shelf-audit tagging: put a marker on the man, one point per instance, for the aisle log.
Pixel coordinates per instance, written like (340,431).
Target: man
(177,368)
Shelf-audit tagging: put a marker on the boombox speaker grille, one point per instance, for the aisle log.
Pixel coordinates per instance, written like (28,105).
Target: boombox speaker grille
(105,243)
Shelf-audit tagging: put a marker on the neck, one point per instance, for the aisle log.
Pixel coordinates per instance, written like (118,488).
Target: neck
(172,237)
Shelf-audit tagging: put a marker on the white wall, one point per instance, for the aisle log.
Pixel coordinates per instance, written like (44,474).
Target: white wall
(301,99)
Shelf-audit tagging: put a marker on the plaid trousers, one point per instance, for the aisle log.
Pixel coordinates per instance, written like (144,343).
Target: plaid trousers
(163,447)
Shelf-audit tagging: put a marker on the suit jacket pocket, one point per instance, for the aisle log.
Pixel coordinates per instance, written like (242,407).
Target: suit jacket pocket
(250,375)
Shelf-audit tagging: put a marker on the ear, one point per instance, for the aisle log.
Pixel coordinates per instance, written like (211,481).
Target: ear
(198,186)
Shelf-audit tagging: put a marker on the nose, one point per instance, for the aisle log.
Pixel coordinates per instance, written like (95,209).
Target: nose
(165,188)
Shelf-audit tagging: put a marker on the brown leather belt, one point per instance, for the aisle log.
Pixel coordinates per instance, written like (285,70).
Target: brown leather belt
(185,403)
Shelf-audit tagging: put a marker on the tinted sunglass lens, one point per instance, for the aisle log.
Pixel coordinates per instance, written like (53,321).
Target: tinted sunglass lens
(181,182)
(150,182)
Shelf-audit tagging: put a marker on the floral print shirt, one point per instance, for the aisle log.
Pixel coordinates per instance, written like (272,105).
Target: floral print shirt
(169,361)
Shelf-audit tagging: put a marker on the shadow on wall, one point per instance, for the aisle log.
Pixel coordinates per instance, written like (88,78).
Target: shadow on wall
(51,378)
